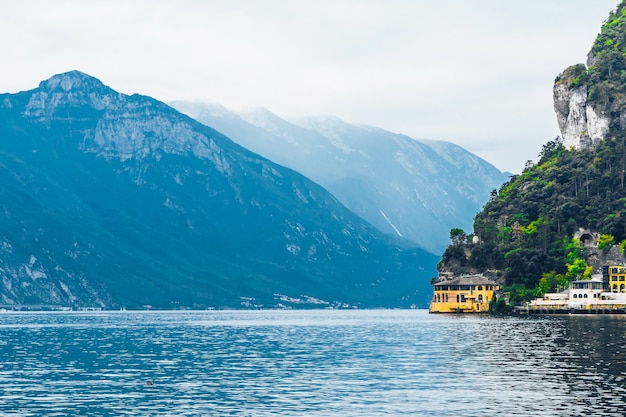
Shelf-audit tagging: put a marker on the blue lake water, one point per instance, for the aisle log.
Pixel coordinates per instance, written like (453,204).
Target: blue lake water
(310,363)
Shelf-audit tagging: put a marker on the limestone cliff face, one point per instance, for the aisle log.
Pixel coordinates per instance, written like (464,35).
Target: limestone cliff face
(581,124)
(590,100)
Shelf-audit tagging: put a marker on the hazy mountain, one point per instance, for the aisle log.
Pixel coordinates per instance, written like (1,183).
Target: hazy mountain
(112,200)
(415,189)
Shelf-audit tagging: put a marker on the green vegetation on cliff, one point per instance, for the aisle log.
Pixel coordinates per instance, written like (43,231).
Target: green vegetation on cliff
(606,75)
(526,231)
(525,234)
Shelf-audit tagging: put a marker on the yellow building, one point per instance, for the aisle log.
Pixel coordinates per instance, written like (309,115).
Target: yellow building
(465,294)
(616,282)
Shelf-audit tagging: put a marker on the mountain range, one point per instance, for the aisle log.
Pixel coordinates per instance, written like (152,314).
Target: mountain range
(110,200)
(415,189)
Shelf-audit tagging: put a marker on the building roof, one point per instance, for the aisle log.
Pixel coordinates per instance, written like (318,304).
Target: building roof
(467,280)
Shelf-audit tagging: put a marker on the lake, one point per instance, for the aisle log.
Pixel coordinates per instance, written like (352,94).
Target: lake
(310,363)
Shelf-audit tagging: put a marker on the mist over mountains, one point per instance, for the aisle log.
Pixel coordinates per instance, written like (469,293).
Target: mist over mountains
(414,189)
(112,200)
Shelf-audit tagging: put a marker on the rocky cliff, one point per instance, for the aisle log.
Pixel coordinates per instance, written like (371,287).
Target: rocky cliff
(582,123)
(590,100)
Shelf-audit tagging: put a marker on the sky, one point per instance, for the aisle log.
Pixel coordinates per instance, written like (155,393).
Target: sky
(478,73)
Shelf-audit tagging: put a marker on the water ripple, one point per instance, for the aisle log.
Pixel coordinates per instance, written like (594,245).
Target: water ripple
(313,363)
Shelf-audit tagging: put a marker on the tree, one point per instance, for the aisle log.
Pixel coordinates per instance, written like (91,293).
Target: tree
(549,282)
(528,165)
(551,149)
(605,242)
(457,236)
(579,269)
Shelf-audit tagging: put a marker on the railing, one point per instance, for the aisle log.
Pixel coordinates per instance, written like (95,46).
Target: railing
(571,308)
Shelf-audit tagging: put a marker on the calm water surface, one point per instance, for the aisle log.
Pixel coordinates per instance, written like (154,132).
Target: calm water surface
(310,363)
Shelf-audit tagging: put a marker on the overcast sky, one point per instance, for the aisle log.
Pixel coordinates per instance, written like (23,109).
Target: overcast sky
(478,73)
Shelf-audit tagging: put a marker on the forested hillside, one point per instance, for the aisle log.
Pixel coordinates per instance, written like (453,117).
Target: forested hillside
(526,231)
(526,234)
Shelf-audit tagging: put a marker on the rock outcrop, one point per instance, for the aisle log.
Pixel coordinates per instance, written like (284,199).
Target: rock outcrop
(590,101)
(582,124)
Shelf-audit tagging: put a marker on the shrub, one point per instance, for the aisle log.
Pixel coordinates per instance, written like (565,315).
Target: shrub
(605,242)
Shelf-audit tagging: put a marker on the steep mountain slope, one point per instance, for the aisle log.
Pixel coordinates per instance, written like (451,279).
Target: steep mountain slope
(565,217)
(111,200)
(414,189)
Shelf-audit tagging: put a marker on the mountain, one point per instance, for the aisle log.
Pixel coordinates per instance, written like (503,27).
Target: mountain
(418,190)
(112,200)
(565,217)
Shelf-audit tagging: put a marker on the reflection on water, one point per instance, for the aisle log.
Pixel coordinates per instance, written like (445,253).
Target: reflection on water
(340,363)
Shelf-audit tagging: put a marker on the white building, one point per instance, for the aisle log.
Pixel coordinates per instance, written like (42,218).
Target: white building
(581,296)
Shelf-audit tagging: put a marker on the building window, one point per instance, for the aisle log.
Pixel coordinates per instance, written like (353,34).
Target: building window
(480,298)
(575,295)
(614,288)
(480,288)
(458,298)
(585,295)
(621,277)
(621,288)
